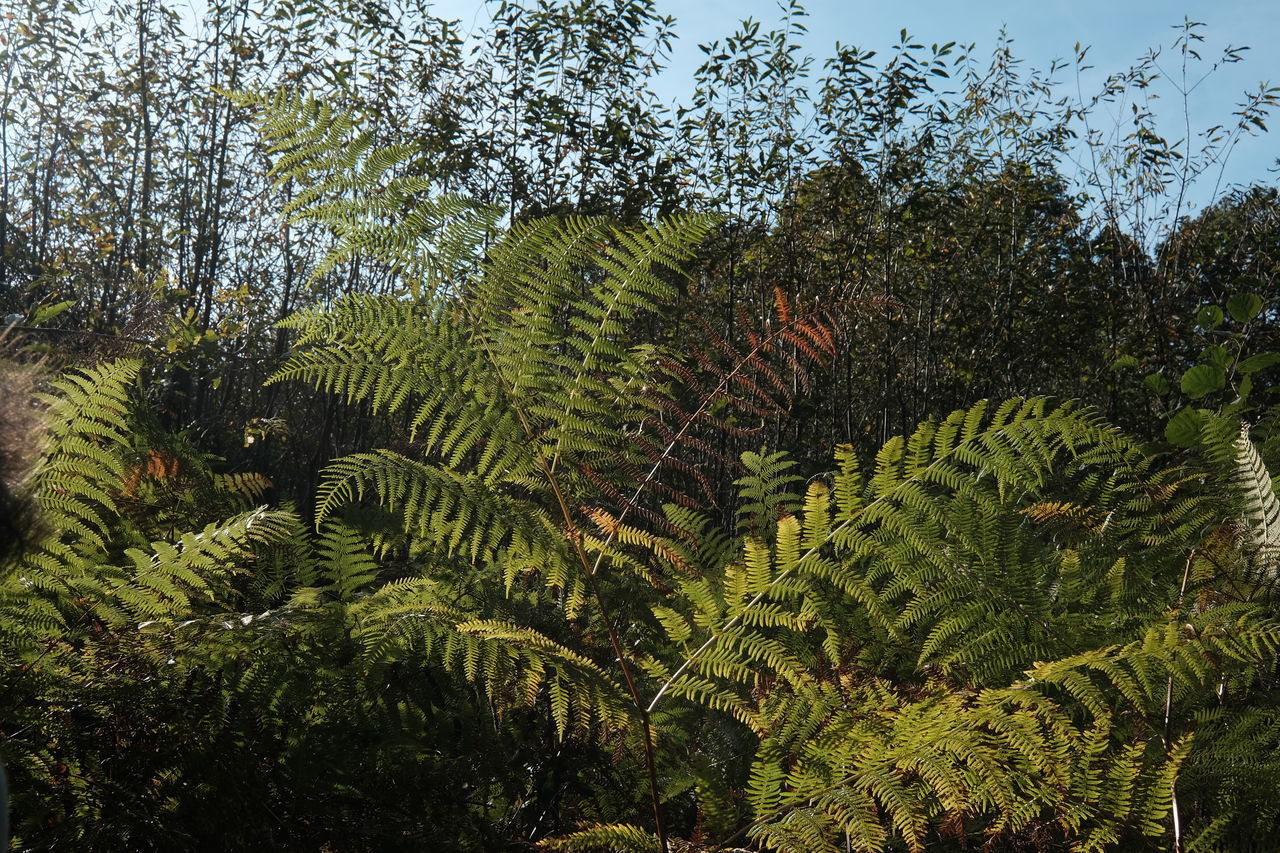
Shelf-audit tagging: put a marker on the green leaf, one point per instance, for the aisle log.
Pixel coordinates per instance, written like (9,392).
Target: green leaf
(1209,317)
(1261,361)
(1123,363)
(1202,379)
(1156,384)
(1183,428)
(1216,355)
(47,312)
(1244,306)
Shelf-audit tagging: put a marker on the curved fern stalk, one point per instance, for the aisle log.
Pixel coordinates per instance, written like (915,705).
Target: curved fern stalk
(419,620)
(793,328)
(1261,509)
(169,579)
(578,677)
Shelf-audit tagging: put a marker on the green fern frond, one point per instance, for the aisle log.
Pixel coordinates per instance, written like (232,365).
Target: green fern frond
(605,838)
(372,199)
(87,422)
(1261,509)
(345,565)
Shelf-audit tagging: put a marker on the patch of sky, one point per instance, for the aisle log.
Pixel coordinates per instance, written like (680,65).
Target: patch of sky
(1118,33)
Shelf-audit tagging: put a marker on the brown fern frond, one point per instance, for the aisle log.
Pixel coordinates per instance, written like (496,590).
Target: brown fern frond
(157,465)
(625,504)
(782,305)
(627,534)
(1065,513)
(677,495)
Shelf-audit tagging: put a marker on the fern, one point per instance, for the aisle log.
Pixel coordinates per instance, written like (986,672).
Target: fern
(935,551)
(486,393)
(87,425)
(94,563)
(998,628)
(614,838)
(1261,509)
(374,200)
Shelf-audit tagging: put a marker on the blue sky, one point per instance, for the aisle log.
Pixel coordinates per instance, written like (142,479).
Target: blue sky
(1119,31)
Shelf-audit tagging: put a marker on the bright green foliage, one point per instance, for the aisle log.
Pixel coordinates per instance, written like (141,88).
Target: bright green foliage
(620,838)
(958,561)
(1261,509)
(79,614)
(374,201)
(1013,626)
(516,391)
(871,635)
(90,565)
(988,633)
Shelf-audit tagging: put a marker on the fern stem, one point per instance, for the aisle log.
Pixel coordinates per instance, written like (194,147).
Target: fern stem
(1168,710)
(655,791)
(671,445)
(575,537)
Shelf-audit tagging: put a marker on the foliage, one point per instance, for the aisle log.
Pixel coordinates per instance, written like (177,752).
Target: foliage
(481,501)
